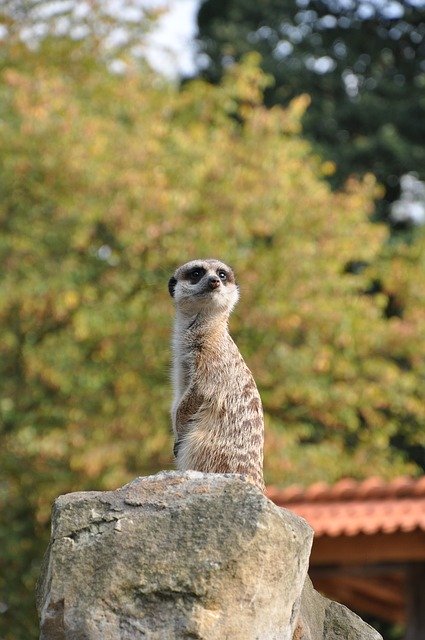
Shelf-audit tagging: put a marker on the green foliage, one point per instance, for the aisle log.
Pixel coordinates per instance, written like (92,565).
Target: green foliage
(110,181)
(362,64)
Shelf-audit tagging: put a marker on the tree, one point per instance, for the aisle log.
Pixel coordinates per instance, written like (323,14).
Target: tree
(107,28)
(361,62)
(109,181)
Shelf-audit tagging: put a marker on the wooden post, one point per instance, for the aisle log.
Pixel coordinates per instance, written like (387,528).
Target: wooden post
(415,601)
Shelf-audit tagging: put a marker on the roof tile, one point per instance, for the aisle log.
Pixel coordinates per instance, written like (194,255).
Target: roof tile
(350,507)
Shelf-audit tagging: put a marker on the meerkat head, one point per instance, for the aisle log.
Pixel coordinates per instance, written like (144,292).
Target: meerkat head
(204,285)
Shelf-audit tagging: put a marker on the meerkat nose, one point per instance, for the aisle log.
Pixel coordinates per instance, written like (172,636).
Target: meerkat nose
(213,283)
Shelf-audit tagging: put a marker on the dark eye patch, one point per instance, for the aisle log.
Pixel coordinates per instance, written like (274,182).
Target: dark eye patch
(195,274)
(230,276)
(222,274)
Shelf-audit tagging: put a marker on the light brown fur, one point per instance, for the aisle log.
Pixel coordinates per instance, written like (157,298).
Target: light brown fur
(217,413)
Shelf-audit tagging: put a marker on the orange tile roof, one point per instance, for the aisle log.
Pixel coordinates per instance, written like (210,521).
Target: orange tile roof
(349,508)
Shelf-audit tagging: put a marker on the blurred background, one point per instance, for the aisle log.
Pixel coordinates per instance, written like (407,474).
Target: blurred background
(286,138)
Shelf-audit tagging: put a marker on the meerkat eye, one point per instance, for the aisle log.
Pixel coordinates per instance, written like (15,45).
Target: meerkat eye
(222,275)
(196,274)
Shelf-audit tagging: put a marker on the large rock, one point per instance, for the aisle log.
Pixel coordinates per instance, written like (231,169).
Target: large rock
(176,555)
(183,555)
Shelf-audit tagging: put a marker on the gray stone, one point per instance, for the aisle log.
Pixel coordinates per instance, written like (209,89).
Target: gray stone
(323,619)
(173,556)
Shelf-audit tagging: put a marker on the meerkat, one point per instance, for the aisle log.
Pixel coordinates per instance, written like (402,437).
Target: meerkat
(217,414)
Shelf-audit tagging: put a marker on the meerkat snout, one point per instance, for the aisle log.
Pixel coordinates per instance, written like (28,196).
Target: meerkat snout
(213,283)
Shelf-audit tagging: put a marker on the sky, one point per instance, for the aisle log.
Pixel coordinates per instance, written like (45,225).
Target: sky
(171,49)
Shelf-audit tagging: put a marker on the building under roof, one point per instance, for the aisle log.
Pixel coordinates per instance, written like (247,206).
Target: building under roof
(369,545)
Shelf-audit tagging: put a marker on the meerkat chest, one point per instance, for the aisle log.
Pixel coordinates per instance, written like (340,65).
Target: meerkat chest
(216,366)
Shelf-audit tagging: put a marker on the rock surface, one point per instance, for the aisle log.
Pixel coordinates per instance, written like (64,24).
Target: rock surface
(323,619)
(182,556)
(176,555)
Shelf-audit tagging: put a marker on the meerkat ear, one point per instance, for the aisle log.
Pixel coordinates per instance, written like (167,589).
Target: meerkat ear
(171,286)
